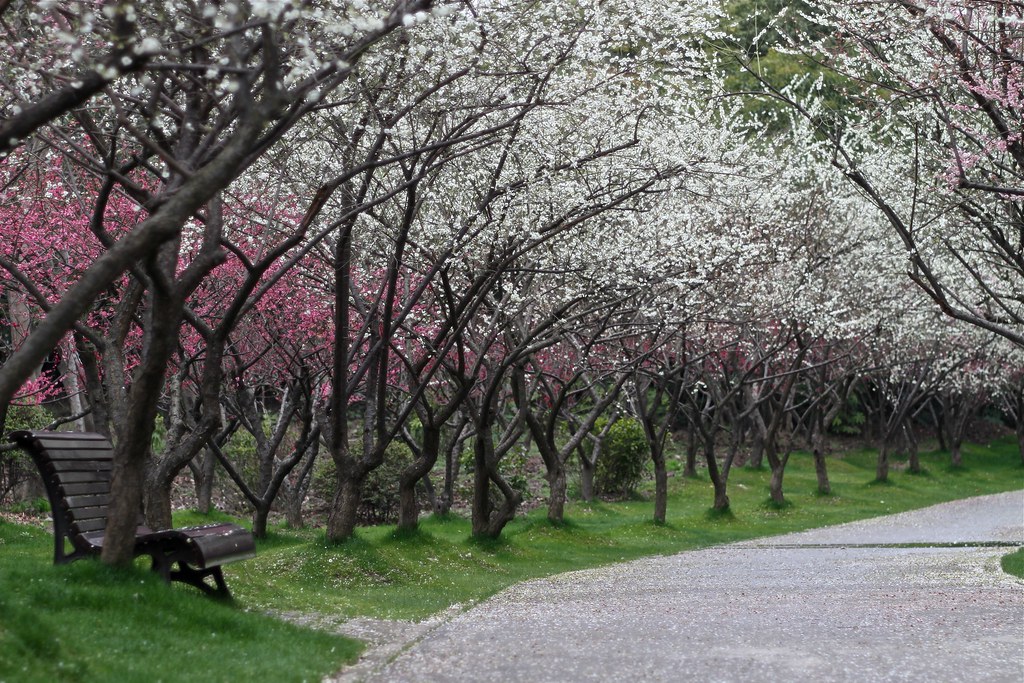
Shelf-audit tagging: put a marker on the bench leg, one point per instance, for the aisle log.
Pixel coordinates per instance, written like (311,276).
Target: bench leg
(163,564)
(197,578)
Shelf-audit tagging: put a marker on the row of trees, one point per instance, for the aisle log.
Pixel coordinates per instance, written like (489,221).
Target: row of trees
(336,226)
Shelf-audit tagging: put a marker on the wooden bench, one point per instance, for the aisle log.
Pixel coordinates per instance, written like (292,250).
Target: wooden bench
(76,469)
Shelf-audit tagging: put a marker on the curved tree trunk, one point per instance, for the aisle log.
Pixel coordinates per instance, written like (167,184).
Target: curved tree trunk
(132,450)
(718,479)
(506,511)
(408,505)
(488,519)
(296,492)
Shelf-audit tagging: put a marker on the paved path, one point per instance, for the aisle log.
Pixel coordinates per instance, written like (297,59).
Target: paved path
(834,604)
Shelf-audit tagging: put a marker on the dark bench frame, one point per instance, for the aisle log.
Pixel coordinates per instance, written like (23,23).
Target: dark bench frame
(76,470)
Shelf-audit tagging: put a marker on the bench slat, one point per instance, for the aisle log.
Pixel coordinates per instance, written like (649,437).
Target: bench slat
(84,526)
(65,478)
(82,465)
(71,456)
(71,440)
(86,488)
(80,502)
(79,514)
(74,444)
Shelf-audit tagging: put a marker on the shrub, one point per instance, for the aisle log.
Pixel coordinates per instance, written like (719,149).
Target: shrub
(851,419)
(15,466)
(241,451)
(380,490)
(621,464)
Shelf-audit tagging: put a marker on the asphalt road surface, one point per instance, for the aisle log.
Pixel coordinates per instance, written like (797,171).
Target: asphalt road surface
(917,596)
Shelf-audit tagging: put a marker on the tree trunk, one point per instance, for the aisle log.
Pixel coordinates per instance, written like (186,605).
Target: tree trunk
(126,485)
(955,455)
(296,493)
(588,468)
(756,449)
(430,491)
(775,484)
(660,487)
(913,456)
(408,505)
(203,475)
(293,517)
(1020,437)
(260,515)
(721,496)
(882,466)
(717,479)
(556,495)
(72,387)
(488,520)
(505,512)
(735,441)
(451,475)
(777,466)
(820,464)
(135,437)
(939,431)
(692,446)
(157,506)
(341,522)
(481,510)
(98,419)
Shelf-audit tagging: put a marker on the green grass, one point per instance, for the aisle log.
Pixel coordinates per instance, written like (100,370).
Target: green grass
(1014,563)
(82,622)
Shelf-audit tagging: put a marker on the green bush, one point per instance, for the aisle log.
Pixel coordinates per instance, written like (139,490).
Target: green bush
(26,417)
(15,465)
(621,464)
(36,506)
(241,451)
(380,490)
(851,419)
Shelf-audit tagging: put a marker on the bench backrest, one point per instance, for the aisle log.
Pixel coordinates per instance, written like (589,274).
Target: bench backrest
(76,470)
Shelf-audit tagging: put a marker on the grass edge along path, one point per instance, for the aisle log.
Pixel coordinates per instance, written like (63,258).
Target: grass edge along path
(385,574)
(83,622)
(1013,563)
